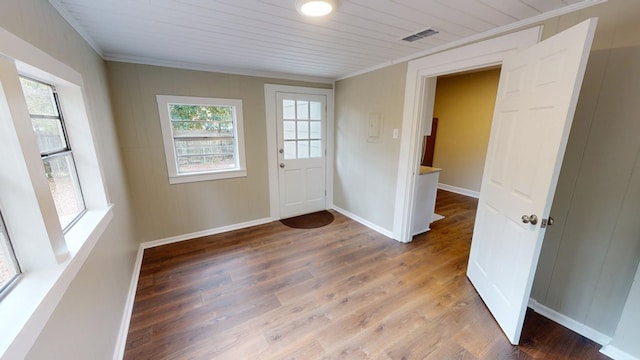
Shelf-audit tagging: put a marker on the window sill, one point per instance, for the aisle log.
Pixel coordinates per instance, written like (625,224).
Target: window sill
(194,177)
(26,309)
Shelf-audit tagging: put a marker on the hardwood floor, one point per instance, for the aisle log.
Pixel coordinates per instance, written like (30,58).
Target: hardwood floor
(338,292)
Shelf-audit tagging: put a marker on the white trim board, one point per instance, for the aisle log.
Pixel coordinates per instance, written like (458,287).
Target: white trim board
(364,222)
(216,69)
(199,234)
(615,353)
(459,190)
(121,342)
(569,323)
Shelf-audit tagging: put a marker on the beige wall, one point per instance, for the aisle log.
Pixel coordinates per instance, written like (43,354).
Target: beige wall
(365,172)
(590,254)
(86,322)
(163,210)
(583,280)
(464,108)
(586,267)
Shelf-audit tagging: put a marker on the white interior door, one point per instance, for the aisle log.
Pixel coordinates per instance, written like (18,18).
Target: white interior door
(301,123)
(536,101)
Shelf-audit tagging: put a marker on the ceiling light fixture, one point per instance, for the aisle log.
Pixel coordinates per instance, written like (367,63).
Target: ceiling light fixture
(315,8)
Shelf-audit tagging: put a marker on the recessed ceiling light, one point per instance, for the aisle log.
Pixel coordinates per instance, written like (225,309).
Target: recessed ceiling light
(315,7)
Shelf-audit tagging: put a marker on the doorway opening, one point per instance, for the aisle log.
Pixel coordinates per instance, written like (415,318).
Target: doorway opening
(419,102)
(464,104)
(535,104)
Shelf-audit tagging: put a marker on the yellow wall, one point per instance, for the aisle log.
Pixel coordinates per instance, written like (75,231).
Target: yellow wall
(464,108)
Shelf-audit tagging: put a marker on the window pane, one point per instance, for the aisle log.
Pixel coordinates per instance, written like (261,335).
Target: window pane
(303,129)
(49,135)
(316,130)
(201,121)
(64,186)
(289,150)
(316,149)
(289,109)
(205,155)
(8,265)
(39,98)
(316,110)
(303,110)
(289,130)
(303,149)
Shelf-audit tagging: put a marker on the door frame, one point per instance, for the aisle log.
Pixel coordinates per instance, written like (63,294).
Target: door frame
(270,102)
(419,100)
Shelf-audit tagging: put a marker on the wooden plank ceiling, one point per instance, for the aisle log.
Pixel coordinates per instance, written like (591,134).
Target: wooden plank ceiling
(269,37)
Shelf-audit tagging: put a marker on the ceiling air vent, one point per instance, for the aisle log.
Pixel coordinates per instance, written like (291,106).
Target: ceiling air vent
(420,35)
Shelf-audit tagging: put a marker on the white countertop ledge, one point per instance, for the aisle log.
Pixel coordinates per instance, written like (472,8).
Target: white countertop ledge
(428,170)
(26,309)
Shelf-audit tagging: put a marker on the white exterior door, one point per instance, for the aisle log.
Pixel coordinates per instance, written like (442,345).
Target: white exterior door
(536,101)
(301,128)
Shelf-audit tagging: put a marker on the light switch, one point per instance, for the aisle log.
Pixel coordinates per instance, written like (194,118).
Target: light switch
(395,133)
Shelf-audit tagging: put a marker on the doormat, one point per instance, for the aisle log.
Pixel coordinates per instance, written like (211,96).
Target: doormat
(309,221)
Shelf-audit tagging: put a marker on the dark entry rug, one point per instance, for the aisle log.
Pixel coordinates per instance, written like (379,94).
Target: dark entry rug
(309,221)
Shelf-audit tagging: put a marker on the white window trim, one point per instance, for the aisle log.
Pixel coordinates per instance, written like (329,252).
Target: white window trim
(49,259)
(169,145)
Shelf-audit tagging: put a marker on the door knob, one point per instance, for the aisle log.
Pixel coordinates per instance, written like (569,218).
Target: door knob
(281,165)
(530,219)
(281,151)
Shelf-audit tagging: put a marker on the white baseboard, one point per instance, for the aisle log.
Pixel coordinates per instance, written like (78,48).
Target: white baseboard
(128,307)
(126,318)
(197,234)
(569,323)
(617,354)
(364,222)
(459,190)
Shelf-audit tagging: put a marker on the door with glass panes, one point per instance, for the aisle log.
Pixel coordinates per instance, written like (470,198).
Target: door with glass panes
(301,122)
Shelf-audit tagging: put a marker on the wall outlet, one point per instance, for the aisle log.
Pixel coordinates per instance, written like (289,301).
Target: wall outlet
(395,133)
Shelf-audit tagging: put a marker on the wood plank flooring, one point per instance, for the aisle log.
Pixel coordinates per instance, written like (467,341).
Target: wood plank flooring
(338,292)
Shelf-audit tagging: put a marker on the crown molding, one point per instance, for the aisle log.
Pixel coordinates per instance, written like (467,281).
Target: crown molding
(217,69)
(62,10)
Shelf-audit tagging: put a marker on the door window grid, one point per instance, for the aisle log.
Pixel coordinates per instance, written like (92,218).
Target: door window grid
(57,157)
(302,129)
(9,268)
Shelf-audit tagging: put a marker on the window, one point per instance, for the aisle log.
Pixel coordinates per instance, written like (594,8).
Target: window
(302,126)
(203,138)
(48,125)
(9,269)
(37,175)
